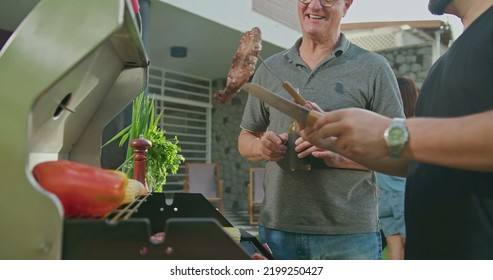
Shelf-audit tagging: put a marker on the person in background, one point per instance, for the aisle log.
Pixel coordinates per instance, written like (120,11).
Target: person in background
(446,151)
(392,188)
(322,212)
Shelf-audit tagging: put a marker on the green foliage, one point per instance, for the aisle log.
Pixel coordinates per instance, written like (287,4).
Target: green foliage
(164,155)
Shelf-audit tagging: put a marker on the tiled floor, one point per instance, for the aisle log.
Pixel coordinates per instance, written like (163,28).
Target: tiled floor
(240,219)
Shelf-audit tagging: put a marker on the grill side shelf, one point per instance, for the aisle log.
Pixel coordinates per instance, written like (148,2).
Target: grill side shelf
(186,239)
(192,225)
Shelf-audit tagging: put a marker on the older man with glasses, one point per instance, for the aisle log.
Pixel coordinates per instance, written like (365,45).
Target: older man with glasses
(329,211)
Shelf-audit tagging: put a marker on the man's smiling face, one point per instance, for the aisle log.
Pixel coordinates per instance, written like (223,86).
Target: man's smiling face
(317,20)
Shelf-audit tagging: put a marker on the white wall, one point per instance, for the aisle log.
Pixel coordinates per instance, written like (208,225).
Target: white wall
(238,14)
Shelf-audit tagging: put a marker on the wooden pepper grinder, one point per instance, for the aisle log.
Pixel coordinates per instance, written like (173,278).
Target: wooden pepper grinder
(140,146)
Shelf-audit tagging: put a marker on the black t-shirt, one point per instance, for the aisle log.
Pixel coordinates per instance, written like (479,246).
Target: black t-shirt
(449,212)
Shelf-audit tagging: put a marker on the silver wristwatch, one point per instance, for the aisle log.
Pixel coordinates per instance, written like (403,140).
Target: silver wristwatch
(396,137)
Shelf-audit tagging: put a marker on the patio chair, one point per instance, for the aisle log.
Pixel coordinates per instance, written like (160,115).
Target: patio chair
(205,178)
(255,193)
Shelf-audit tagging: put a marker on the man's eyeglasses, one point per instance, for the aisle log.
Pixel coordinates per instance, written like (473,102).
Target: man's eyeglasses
(325,3)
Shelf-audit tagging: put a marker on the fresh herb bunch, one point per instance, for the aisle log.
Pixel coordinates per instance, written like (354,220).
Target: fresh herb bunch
(163,156)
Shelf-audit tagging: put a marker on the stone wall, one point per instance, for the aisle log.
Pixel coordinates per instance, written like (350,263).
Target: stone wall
(226,121)
(413,61)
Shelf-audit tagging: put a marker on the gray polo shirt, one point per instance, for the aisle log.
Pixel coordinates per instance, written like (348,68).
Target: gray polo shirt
(323,200)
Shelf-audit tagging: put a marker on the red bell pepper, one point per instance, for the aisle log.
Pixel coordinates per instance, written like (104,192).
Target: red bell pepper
(84,190)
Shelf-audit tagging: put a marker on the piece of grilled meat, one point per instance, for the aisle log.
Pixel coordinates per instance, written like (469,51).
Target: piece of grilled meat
(243,65)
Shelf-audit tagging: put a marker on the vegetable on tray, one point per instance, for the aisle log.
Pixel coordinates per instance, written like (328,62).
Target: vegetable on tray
(84,190)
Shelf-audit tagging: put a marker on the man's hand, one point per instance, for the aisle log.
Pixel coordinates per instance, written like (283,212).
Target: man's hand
(272,146)
(353,132)
(330,159)
(259,146)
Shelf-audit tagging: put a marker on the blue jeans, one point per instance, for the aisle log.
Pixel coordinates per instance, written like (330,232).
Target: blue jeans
(295,246)
(391,213)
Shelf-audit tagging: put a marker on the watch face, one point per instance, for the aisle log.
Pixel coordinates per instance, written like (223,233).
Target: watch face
(396,135)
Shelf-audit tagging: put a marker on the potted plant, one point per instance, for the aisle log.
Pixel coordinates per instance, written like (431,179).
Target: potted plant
(164,155)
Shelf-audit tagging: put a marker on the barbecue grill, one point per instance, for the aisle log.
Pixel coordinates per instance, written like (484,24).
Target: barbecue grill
(65,73)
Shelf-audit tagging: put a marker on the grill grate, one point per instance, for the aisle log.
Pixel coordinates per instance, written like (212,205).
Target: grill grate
(126,211)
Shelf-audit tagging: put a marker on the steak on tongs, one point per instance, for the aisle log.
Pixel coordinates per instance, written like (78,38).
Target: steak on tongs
(243,65)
